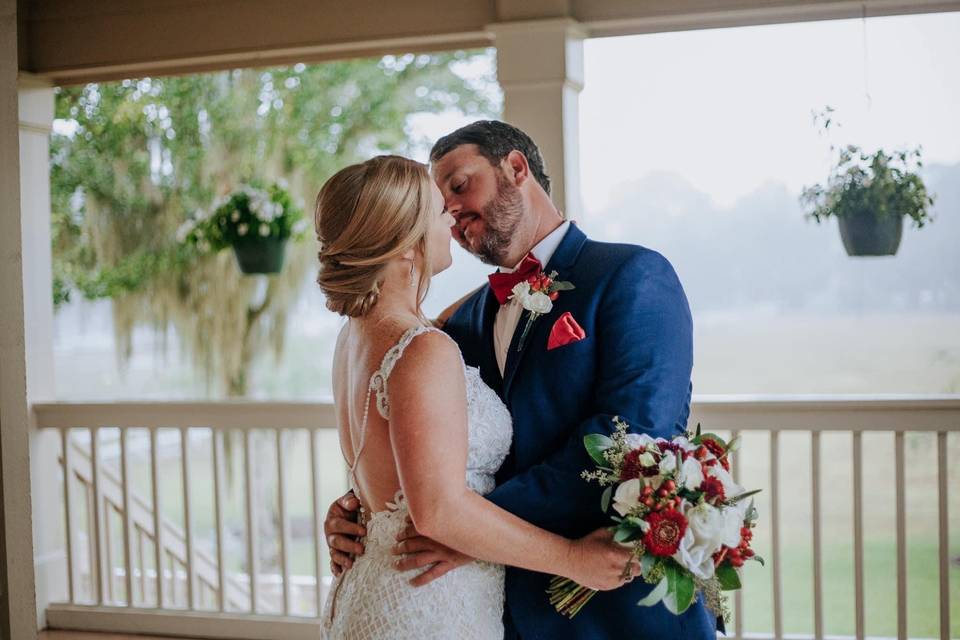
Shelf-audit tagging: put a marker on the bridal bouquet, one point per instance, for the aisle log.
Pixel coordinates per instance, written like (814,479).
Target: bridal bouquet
(689,523)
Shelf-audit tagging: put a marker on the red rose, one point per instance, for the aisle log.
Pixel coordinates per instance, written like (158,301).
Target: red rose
(713,488)
(631,465)
(675,448)
(665,533)
(717,449)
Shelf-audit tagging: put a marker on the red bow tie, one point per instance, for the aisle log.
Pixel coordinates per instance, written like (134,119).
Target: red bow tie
(503,283)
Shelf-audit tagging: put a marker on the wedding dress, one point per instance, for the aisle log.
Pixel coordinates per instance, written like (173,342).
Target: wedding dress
(373,600)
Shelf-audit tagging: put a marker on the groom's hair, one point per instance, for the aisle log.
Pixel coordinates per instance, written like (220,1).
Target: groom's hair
(494,140)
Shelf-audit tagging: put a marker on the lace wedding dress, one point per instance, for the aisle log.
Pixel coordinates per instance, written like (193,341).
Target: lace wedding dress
(373,600)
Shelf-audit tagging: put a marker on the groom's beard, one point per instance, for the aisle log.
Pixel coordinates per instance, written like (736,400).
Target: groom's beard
(501,218)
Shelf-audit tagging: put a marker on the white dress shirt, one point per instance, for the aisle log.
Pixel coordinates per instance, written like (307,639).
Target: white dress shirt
(508,316)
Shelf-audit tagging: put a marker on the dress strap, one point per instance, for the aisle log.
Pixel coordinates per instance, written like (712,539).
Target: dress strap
(378,385)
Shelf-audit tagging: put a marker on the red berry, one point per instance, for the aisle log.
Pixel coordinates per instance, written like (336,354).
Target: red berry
(662,492)
(670,485)
(648,502)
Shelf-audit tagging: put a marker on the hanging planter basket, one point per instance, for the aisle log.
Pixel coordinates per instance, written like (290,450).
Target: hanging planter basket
(260,255)
(866,234)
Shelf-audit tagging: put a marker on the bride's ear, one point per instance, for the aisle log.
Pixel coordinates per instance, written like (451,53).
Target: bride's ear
(410,255)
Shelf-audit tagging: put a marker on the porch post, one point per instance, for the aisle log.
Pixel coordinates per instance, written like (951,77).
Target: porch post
(540,68)
(18,617)
(36,110)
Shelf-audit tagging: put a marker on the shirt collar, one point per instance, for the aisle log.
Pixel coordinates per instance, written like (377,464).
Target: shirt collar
(544,249)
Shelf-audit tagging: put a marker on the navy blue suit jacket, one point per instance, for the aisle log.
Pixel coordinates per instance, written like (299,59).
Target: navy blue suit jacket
(635,362)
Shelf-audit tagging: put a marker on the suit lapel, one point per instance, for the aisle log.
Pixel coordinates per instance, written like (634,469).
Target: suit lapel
(489,370)
(561,262)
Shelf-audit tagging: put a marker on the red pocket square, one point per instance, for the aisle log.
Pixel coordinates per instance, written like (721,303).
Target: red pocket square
(565,330)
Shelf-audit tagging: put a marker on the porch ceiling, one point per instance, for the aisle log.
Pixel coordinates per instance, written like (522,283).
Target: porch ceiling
(74,41)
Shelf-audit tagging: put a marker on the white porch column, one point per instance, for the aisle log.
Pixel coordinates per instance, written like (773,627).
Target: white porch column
(36,110)
(18,613)
(540,68)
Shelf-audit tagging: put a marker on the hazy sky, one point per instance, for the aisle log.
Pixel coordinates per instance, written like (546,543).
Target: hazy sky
(730,108)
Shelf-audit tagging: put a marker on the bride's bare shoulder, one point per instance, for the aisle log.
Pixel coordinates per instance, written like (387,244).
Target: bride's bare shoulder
(432,354)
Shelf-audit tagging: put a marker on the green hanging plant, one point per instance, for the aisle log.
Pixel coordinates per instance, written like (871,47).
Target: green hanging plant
(255,222)
(870,195)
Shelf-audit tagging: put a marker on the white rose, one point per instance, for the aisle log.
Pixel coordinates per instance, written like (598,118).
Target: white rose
(627,496)
(539,302)
(520,293)
(730,488)
(706,528)
(668,463)
(242,229)
(646,459)
(300,226)
(264,230)
(637,440)
(691,475)
(732,523)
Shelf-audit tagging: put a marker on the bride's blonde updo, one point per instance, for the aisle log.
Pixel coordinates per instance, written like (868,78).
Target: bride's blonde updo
(366,215)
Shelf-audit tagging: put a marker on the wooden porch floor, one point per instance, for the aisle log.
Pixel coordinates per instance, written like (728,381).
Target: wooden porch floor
(84,635)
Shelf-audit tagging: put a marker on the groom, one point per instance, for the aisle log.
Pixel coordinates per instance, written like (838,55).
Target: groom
(618,344)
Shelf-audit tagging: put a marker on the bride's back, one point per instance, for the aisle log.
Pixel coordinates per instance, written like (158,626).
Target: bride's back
(376,223)
(359,354)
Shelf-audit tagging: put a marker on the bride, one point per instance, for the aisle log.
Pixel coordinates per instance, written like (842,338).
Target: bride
(421,433)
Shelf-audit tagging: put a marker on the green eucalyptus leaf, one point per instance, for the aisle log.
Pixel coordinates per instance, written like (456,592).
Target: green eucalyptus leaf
(728,577)
(596,444)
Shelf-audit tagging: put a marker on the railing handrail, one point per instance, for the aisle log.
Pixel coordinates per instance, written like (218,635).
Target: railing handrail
(740,412)
(228,414)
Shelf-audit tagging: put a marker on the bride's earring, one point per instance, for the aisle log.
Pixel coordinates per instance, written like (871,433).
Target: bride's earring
(413,267)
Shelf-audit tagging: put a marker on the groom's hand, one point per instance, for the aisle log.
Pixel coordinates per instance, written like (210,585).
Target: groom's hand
(416,551)
(342,532)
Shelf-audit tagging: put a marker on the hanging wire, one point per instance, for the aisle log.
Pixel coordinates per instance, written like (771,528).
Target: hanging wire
(866,74)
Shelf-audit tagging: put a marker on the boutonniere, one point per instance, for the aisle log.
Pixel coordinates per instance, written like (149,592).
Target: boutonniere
(537,294)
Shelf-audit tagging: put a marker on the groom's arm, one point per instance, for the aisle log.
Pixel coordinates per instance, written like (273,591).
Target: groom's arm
(645,356)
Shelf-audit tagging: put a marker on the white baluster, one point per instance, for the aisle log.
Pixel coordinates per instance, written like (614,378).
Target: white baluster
(216,443)
(125,498)
(815,451)
(944,542)
(187,521)
(97,569)
(858,531)
(157,534)
(252,562)
(317,525)
(284,524)
(68,523)
(775,534)
(901,537)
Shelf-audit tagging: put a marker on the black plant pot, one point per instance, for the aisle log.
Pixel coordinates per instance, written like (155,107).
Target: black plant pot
(866,234)
(260,255)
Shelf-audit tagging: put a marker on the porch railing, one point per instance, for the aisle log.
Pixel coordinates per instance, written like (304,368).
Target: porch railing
(179,588)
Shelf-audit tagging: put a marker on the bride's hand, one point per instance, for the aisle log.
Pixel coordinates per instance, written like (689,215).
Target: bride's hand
(599,563)
(414,551)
